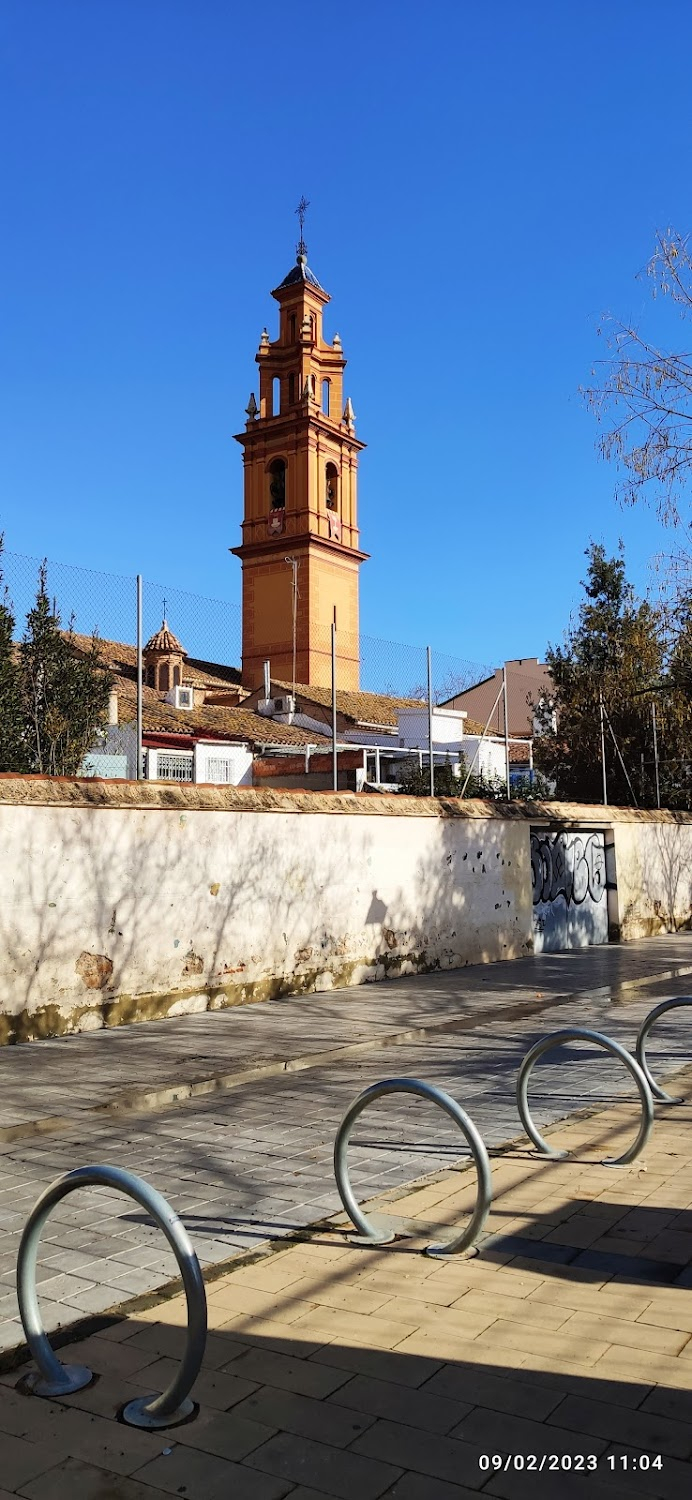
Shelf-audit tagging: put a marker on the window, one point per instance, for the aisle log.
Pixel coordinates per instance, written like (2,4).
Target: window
(325,397)
(164,677)
(220,771)
(291,389)
(151,677)
(175,767)
(292,328)
(313,327)
(313,386)
(276,396)
(332,487)
(176,676)
(277,484)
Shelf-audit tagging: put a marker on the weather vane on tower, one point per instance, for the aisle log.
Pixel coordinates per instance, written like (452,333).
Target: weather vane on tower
(301,210)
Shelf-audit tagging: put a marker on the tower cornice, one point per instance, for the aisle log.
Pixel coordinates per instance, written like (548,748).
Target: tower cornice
(294,422)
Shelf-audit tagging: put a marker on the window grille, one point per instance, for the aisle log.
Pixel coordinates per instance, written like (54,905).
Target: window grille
(175,767)
(220,771)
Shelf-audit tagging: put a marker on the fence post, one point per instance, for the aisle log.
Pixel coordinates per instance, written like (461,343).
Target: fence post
(603,759)
(335,754)
(504,699)
(658,782)
(140,756)
(430,725)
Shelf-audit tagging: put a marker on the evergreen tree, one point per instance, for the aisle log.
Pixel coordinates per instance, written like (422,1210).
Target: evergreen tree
(11,721)
(64,693)
(673,704)
(614,655)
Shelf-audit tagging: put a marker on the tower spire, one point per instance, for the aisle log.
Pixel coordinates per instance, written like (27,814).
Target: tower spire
(301,247)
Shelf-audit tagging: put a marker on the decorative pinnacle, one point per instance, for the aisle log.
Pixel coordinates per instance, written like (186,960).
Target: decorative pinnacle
(301,247)
(252,407)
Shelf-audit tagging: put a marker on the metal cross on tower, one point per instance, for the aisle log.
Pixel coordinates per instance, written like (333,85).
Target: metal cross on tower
(301,210)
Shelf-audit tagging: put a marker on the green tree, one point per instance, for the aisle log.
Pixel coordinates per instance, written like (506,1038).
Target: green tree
(64,692)
(673,707)
(11,718)
(614,655)
(415,782)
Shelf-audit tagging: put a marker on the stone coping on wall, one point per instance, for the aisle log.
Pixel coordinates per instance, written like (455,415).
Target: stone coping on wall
(67,791)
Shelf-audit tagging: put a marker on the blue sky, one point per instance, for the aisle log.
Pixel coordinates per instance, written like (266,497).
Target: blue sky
(484,183)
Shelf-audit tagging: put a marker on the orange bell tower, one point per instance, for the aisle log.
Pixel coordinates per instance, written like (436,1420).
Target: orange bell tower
(300,551)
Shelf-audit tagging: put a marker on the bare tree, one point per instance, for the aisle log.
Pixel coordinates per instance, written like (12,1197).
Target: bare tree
(645,395)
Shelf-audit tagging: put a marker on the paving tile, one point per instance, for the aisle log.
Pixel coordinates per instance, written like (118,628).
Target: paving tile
(286,1411)
(304,1376)
(632,1365)
(498,1391)
(423,1487)
(557,1485)
(23,1460)
(381,1398)
(670,1482)
(581,1325)
(423,1452)
(227,1434)
(76,1480)
(340,1473)
(518,1435)
(187,1471)
(669,1403)
(654,1433)
(212,1388)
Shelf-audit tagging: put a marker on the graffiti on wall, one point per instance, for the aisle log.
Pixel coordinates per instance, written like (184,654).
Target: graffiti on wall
(572,866)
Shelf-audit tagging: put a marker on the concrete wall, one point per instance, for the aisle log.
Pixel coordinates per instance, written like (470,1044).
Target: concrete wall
(125,901)
(653,870)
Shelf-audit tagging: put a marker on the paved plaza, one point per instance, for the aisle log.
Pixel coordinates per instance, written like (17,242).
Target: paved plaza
(555,1362)
(249,1163)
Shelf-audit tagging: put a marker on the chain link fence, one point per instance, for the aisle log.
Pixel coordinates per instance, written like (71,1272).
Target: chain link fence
(105,604)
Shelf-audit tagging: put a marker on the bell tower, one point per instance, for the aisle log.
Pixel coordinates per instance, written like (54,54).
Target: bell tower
(300,551)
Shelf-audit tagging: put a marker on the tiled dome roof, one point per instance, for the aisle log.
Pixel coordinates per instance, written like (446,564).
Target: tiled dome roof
(164,640)
(301,272)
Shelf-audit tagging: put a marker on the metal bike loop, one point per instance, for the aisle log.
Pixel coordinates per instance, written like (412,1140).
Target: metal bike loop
(55,1379)
(468,1129)
(658,1093)
(577,1034)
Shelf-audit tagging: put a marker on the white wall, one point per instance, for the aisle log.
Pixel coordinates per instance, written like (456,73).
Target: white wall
(490,761)
(125,912)
(653,869)
(227,764)
(447,727)
(126,901)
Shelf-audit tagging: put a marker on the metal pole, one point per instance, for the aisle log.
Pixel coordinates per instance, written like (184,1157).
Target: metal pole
(335,760)
(140,757)
(603,759)
(653,725)
(293,563)
(480,742)
(504,700)
(430,726)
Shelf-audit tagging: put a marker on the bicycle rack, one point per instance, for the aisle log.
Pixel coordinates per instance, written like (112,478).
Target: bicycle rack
(658,1093)
(574,1034)
(426,1091)
(55,1379)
